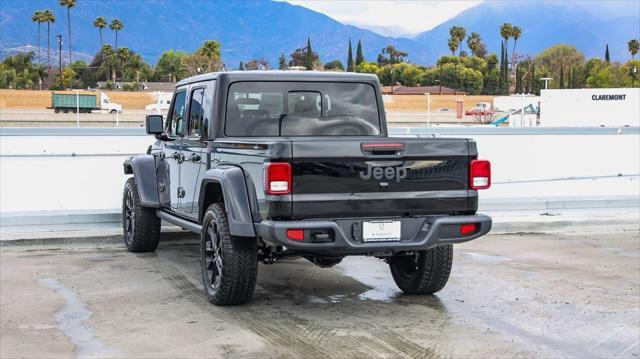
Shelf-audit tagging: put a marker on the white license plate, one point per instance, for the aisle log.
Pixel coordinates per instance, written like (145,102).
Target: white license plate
(381,231)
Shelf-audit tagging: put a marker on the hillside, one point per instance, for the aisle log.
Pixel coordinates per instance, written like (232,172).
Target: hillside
(252,29)
(588,26)
(246,29)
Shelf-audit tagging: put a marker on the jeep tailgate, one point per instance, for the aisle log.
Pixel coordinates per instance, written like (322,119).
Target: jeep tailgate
(357,177)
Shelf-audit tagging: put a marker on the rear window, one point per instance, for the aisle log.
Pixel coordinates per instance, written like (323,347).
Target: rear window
(301,109)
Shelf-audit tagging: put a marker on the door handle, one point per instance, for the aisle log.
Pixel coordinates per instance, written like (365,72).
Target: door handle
(195,157)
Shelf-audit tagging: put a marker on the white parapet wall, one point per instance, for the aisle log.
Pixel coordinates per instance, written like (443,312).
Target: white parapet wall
(81,169)
(590,107)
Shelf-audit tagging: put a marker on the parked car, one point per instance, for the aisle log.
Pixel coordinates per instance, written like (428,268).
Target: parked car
(269,165)
(70,102)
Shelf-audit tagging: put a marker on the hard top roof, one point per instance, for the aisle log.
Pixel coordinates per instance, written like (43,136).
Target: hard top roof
(278,75)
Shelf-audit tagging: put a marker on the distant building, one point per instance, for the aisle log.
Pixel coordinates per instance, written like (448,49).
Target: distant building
(420,90)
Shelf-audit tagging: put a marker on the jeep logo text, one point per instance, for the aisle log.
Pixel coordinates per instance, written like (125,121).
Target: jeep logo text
(388,173)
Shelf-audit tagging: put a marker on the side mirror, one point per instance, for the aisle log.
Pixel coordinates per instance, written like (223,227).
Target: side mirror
(154,124)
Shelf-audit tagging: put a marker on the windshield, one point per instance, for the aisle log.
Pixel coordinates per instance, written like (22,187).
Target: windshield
(301,109)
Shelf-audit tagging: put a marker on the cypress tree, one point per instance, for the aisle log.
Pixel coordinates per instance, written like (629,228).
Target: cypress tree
(241,66)
(606,53)
(561,85)
(309,56)
(282,62)
(350,66)
(359,54)
(518,81)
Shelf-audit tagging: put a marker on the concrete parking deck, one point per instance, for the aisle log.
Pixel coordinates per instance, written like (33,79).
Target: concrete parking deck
(527,295)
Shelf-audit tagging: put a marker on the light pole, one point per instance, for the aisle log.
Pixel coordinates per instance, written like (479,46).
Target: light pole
(60,56)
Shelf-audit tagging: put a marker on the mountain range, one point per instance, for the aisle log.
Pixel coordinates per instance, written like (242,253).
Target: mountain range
(254,29)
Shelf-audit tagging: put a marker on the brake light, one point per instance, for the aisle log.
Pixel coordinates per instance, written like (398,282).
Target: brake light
(480,174)
(468,228)
(278,178)
(295,234)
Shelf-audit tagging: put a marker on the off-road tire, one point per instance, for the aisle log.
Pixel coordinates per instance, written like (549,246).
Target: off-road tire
(144,233)
(229,264)
(426,272)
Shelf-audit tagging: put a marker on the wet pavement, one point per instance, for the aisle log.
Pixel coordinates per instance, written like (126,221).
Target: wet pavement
(526,295)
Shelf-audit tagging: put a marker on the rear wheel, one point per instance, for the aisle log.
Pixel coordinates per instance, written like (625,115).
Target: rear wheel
(113,111)
(141,225)
(229,264)
(424,272)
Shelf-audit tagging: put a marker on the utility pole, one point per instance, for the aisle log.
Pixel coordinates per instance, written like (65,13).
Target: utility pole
(60,55)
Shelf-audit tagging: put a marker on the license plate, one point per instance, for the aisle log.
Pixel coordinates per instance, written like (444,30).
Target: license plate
(381,231)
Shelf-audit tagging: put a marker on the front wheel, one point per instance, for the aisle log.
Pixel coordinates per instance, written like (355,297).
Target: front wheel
(229,264)
(424,272)
(113,112)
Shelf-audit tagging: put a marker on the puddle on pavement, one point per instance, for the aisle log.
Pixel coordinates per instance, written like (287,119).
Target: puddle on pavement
(70,320)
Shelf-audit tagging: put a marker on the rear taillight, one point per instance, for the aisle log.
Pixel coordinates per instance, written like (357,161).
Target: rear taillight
(278,178)
(468,228)
(480,174)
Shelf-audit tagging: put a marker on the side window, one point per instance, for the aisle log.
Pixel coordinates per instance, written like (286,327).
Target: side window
(176,117)
(196,112)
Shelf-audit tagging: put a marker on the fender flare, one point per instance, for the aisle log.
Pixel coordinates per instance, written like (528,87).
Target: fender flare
(143,168)
(234,189)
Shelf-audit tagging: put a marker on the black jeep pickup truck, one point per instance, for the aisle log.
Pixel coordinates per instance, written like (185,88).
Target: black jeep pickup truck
(266,165)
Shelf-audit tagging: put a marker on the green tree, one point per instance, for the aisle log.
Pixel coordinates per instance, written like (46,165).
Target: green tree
(452,44)
(606,54)
(516,32)
(49,18)
(335,65)
(38,18)
(299,57)
(458,34)
(100,23)
(171,64)
(308,63)
(206,58)
(68,4)
(474,42)
(561,81)
(633,45)
(350,64)
(116,25)
(506,31)
(282,62)
(390,56)
(553,58)
(368,68)
(359,55)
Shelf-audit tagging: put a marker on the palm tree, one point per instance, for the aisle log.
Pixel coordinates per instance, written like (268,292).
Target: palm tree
(100,23)
(211,51)
(38,19)
(68,4)
(458,33)
(453,46)
(473,42)
(516,32)
(506,30)
(49,18)
(116,25)
(172,63)
(634,45)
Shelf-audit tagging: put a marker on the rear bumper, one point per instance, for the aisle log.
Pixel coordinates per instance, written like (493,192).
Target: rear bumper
(417,234)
